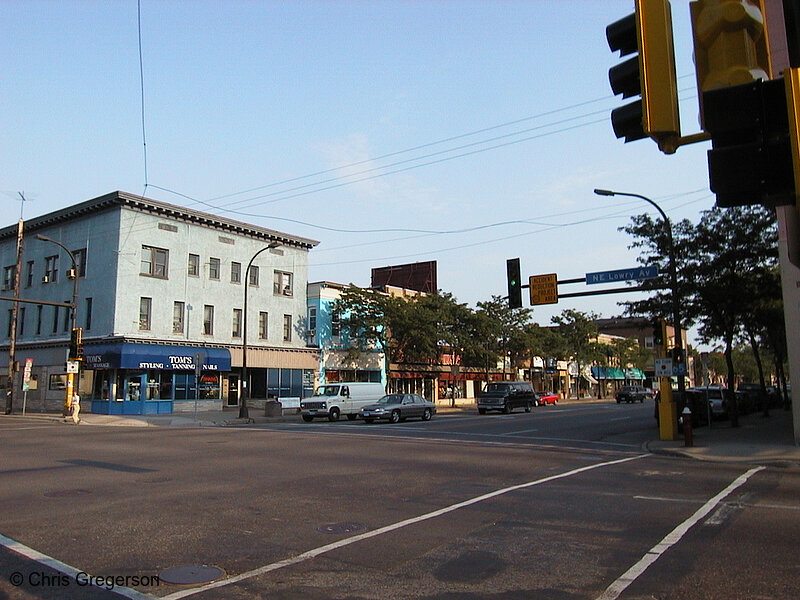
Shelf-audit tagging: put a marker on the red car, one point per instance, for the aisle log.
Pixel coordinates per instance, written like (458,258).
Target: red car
(546,398)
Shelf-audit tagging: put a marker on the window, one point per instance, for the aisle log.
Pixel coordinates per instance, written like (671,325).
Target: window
(8,277)
(213,268)
(208,320)
(312,322)
(80,261)
(282,285)
(336,323)
(29,274)
(237,322)
(154,262)
(88,313)
(145,312)
(263,325)
(194,265)
(10,322)
(67,317)
(55,318)
(178,310)
(50,269)
(39,310)
(287,328)
(253,277)
(21,319)
(236,272)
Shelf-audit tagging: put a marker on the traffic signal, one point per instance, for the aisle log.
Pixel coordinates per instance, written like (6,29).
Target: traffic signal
(792,80)
(750,161)
(730,43)
(76,344)
(514,283)
(650,74)
(678,361)
(658,333)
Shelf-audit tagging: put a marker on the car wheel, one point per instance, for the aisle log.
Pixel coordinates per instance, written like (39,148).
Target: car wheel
(395,416)
(351,417)
(641,400)
(528,407)
(369,421)
(333,415)
(308,418)
(618,401)
(426,416)
(506,408)
(481,411)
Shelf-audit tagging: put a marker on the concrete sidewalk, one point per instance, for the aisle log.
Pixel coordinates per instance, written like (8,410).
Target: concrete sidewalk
(758,440)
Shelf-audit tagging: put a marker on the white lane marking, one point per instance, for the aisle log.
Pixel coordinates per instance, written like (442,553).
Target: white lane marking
(615,589)
(57,565)
(520,431)
(387,529)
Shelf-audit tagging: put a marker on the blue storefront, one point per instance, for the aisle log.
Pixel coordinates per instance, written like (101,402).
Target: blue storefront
(150,379)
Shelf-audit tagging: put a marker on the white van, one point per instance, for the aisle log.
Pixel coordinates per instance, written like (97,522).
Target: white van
(333,400)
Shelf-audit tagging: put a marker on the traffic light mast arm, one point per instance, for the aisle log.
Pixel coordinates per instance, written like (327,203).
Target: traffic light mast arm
(670,144)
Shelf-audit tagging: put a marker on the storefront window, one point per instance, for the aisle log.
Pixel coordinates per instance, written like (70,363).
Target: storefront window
(209,386)
(185,386)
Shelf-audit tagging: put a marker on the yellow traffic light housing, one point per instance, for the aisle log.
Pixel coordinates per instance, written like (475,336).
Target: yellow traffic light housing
(651,75)
(730,43)
(792,81)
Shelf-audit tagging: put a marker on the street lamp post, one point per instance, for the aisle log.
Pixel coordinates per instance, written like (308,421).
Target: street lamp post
(673,273)
(243,410)
(73,314)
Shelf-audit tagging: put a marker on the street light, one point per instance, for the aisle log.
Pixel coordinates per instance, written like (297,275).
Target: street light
(243,412)
(673,274)
(73,313)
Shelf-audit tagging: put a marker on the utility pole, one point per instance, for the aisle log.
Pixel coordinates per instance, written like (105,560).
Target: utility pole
(13,367)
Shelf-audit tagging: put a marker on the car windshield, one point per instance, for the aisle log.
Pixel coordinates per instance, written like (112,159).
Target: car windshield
(327,390)
(497,387)
(391,399)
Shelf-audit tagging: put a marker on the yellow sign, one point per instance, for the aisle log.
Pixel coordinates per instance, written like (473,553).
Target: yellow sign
(544,289)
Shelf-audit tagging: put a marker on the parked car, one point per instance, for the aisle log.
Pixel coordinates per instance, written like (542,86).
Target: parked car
(398,407)
(333,400)
(695,400)
(505,396)
(719,399)
(632,393)
(546,398)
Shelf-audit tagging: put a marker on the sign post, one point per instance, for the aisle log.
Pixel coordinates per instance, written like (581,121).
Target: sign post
(199,359)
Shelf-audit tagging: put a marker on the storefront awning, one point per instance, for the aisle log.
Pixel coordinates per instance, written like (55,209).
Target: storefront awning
(152,356)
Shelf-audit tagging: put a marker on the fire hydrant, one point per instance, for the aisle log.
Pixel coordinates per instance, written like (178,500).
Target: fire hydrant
(688,437)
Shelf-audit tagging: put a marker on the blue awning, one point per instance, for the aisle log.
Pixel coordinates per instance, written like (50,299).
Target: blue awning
(152,356)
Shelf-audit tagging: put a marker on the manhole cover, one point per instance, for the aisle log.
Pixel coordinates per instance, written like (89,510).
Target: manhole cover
(67,493)
(191,574)
(342,528)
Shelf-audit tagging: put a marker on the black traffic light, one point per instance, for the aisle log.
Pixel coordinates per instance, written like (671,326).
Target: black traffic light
(658,332)
(650,74)
(76,344)
(514,283)
(751,157)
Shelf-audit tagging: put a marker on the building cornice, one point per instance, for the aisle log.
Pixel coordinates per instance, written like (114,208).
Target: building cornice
(120,200)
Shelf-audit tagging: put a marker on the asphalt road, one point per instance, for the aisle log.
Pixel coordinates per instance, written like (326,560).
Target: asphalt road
(558,504)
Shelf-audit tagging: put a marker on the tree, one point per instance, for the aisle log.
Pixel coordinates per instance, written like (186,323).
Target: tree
(731,248)
(506,328)
(365,317)
(578,331)
(717,261)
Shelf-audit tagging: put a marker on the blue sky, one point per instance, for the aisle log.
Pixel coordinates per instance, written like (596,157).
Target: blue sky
(442,116)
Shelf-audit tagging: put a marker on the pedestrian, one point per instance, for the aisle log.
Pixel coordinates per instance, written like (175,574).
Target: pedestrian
(76,408)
